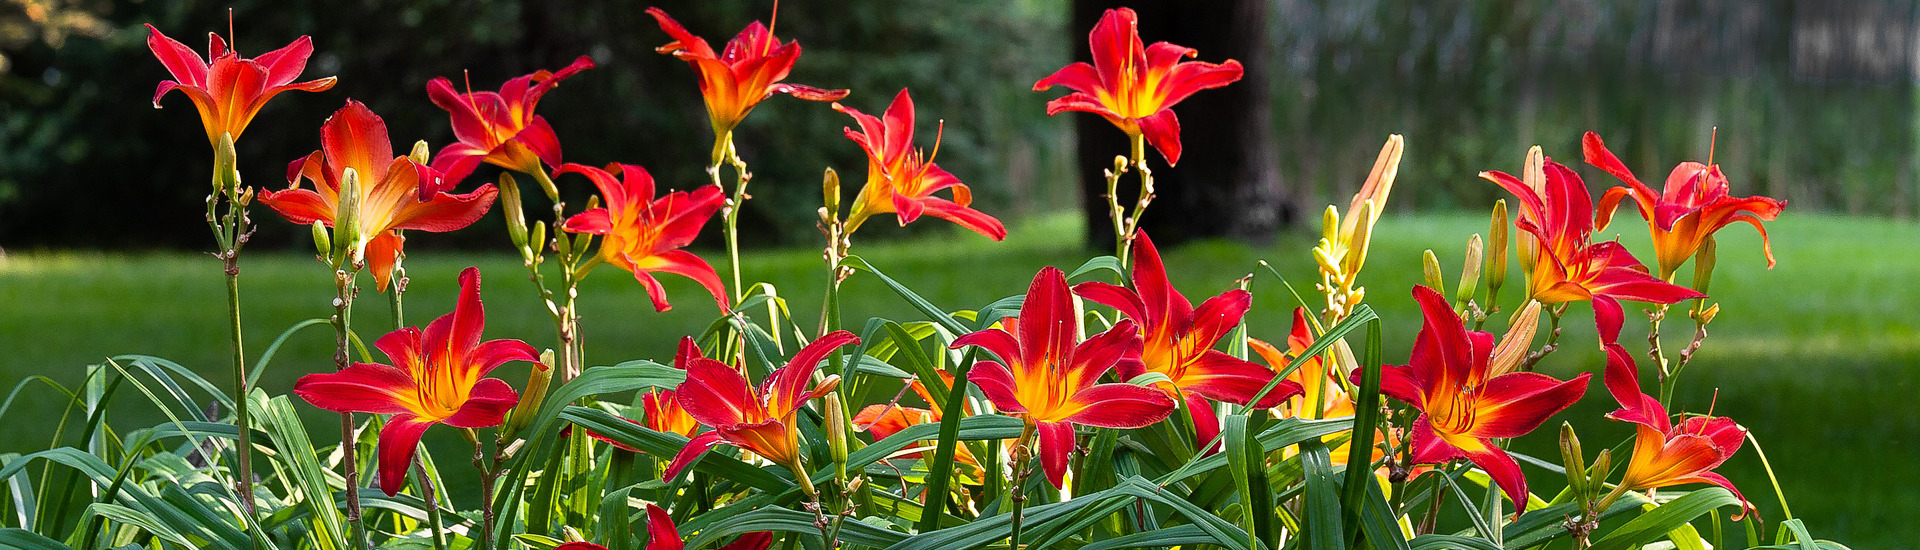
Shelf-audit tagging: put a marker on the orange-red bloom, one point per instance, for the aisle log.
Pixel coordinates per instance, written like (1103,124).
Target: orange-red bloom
(1133,87)
(1563,264)
(394,192)
(902,180)
(226,88)
(500,128)
(1463,408)
(884,420)
(750,69)
(1178,341)
(1320,389)
(1695,205)
(644,234)
(1665,454)
(662,534)
(1047,379)
(758,420)
(437,378)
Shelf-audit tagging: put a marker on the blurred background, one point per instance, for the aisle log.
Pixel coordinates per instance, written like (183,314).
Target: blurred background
(1814,102)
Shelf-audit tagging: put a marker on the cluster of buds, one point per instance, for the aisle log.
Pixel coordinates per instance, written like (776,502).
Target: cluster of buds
(1343,244)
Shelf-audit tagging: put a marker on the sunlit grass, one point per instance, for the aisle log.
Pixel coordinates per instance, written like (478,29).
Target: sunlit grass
(1817,357)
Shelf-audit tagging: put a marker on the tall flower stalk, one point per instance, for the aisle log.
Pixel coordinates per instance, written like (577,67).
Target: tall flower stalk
(732,82)
(1134,86)
(500,128)
(228,90)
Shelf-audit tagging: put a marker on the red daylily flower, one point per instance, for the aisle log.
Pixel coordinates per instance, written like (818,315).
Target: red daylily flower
(733,81)
(1133,87)
(437,378)
(1665,454)
(645,234)
(662,534)
(1563,264)
(394,192)
(1695,205)
(1462,408)
(758,420)
(1048,380)
(900,180)
(1178,341)
(500,128)
(884,420)
(228,89)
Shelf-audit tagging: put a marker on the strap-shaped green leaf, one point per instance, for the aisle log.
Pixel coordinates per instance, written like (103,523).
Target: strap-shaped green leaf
(1655,524)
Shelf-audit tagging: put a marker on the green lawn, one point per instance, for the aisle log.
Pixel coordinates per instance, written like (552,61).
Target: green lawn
(1817,357)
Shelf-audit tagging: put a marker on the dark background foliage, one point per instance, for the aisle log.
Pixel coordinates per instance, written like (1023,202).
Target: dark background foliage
(1813,100)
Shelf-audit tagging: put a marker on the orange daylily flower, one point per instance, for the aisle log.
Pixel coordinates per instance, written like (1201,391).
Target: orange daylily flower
(902,181)
(884,420)
(1178,341)
(644,234)
(436,378)
(1051,382)
(1135,87)
(500,128)
(1320,387)
(228,89)
(734,80)
(1462,407)
(1665,454)
(662,534)
(1563,265)
(394,192)
(1694,206)
(758,420)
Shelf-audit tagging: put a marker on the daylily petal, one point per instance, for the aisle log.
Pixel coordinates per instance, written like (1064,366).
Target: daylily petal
(398,441)
(661,533)
(1223,377)
(1206,427)
(1119,406)
(486,406)
(361,387)
(1515,403)
(715,394)
(695,447)
(1162,131)
(1056,446)
(785,387)
(997,384)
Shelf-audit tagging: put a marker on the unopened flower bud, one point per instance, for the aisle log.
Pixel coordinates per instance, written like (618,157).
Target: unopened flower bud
(225,174)
(1703,261)
(1707,315)
(322,242)
(836,429)
(1470,272)
(1430,269)
(511,208)
(1572,459)
(830,192)
(346,222)
(1356,253)
(530,400)
(1330,224)
(1497,250)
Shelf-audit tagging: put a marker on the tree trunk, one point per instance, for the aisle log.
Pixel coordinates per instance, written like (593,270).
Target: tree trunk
(1228,181)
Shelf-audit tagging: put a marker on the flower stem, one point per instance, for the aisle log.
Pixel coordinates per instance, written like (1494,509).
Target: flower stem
(230,232)
(350,463)
(727,154)
(1553,339)
(1022,454)
(432,500)
(1139,162)
(486,492)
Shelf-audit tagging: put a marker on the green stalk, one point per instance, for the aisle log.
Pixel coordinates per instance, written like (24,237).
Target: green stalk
(1139,161)
(342,320)
(1022,453)
(432,499)
(230,233)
